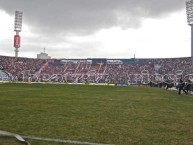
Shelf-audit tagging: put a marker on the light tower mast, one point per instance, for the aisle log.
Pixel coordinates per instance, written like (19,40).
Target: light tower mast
(189,12)
(17,29)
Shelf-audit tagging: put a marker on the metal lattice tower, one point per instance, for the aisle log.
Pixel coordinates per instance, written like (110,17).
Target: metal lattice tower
(189,12)
(17,29)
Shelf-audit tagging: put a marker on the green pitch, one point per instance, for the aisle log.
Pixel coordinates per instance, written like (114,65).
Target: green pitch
(96,114)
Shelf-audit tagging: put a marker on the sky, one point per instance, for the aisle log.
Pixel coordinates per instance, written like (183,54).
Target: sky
(97,28)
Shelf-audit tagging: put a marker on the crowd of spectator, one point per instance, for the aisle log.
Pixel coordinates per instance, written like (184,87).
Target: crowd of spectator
(20,67)
(141,71)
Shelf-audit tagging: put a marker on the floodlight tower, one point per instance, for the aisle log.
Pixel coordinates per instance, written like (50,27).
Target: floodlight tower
(189,12)
(17,29)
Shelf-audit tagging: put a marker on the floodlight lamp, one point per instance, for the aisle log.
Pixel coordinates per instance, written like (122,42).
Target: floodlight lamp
(18,21)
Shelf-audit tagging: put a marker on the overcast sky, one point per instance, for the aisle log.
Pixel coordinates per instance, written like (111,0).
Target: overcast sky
(97,28)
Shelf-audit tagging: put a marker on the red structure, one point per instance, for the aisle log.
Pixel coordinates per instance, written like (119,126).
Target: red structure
(17,40)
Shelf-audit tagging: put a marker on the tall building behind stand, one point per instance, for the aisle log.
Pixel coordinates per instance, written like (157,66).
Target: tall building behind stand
(43,55)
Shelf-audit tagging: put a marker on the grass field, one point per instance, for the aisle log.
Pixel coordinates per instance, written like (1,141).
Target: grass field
(96,114)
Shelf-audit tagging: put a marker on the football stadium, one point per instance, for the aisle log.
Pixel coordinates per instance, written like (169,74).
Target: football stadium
(96,101)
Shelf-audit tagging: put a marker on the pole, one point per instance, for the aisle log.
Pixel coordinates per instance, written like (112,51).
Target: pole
(16,49)
(191,40)
(16,52)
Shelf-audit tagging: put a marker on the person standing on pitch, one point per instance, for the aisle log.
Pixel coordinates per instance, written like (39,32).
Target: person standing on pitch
(181,86)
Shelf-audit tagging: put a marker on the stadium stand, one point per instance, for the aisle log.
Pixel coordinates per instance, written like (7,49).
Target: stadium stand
(153,72)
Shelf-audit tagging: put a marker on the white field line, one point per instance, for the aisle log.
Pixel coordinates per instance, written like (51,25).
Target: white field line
(21,138)
(62,141)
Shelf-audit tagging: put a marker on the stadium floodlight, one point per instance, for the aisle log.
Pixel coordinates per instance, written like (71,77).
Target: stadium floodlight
(189,12)
(18,21)
(17,29)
